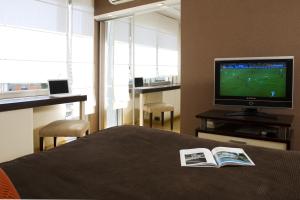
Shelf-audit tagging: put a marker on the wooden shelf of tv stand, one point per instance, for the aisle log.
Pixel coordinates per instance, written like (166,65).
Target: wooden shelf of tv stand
(231,125)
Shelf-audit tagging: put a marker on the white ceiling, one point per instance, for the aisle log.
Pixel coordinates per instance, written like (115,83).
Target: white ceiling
(171,11)
(169,8)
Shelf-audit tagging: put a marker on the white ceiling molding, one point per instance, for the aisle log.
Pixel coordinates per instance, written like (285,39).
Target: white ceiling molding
(116,2)
(138,10)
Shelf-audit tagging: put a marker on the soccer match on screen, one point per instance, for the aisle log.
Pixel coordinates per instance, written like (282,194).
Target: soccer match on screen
(253,80)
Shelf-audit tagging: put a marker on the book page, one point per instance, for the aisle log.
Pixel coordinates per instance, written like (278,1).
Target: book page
(231,156)
(198,157)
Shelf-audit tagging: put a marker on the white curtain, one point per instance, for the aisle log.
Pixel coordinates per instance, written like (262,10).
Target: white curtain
(120,63)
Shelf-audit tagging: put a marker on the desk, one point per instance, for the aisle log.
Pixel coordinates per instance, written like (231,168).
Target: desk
(37,101)
(149,89)
(16,122)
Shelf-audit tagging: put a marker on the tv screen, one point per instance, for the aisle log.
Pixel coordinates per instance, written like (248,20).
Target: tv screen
(254,81)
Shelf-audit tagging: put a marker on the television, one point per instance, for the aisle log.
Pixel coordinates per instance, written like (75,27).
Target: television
(254,82)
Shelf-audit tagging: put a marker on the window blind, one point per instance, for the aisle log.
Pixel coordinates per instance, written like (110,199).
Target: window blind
(82,54)
(33,40)
(48,39)
(156,46)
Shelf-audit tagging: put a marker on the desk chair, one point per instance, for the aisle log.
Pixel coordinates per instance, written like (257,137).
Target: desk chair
(64,128)
(160,107)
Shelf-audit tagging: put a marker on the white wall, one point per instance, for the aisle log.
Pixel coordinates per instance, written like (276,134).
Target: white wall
(19,130)
(16,137)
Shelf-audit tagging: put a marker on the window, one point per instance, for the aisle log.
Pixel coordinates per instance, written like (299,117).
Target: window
(33,43)
(167,55)
(46,39)
(81,66)
(145,52)
(156,46)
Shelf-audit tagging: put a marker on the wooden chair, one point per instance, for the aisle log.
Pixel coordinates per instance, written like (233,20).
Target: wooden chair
(64,128)
(160,107)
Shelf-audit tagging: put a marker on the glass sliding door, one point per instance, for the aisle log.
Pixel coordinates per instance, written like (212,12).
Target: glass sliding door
(156,61)
(142,47)
(118,62)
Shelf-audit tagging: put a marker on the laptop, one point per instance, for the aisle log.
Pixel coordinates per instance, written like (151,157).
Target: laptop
(59,88)
(138,82)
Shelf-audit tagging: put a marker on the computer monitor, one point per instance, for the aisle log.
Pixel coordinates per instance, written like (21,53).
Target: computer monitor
(58,87)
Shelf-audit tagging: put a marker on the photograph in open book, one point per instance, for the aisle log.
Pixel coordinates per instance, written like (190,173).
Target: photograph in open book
(198,157)
(194,158)
(232,157)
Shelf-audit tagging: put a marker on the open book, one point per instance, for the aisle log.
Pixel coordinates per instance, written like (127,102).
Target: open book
(218,157)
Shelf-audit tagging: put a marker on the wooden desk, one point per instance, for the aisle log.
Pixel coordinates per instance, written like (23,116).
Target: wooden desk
(16,122)
(150,89)
(38,101)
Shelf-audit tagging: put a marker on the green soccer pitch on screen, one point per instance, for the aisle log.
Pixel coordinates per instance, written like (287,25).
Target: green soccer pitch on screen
(258,80)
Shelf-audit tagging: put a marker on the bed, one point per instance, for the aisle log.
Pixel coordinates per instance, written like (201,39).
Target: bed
(131,162)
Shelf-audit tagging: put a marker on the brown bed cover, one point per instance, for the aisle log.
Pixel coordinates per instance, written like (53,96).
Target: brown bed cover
(140,163)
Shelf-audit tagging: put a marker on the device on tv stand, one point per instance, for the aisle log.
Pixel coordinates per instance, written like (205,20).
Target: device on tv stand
(251,112)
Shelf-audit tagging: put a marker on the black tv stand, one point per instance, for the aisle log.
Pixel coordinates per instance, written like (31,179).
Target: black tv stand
(220,125)
(253,112)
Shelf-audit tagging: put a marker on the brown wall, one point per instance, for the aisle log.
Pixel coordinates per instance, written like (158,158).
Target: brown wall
(103,6)
(229,28)
(233,28)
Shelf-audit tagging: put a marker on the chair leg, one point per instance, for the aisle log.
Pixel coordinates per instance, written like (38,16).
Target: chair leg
(151,116)
(172,119)
(87,132)
(55,140)
(41,143)
(162,118)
